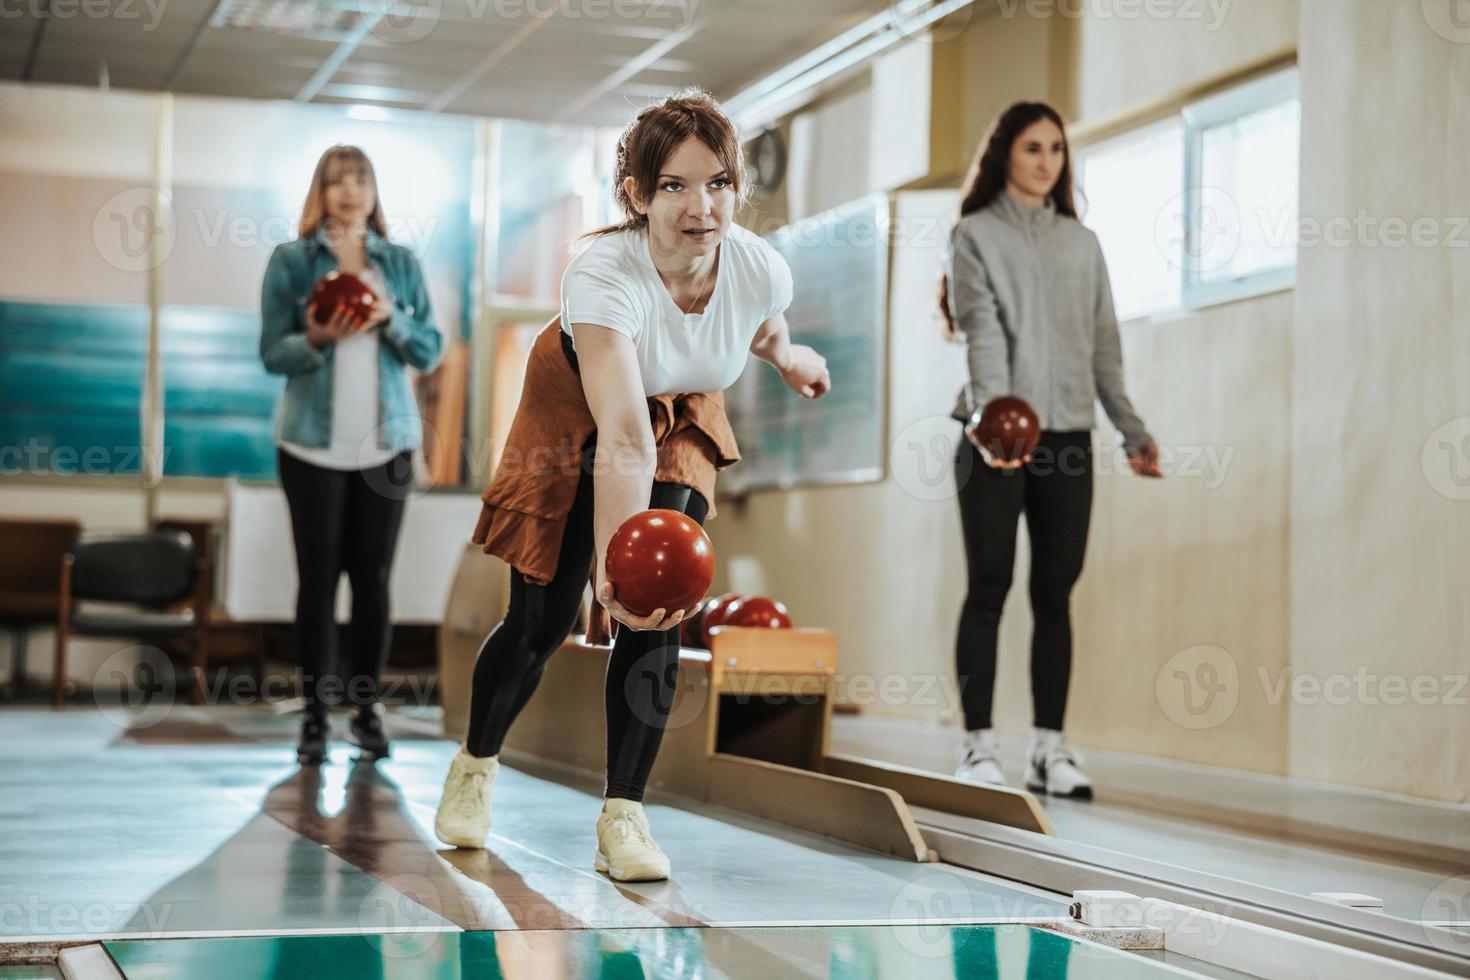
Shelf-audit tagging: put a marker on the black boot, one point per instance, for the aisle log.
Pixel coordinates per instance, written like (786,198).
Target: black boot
(312,749)
(367,732)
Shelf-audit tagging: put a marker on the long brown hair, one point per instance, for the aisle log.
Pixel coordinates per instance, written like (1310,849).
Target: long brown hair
(334,160)
(653,136)
(986,179)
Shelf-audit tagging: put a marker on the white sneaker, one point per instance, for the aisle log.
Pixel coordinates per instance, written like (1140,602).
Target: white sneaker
(1052,768)
(463,819)
(626,850)
(979,760)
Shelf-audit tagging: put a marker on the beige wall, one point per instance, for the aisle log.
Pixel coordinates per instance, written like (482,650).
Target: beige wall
(1124,61)
(1198,560)
(1186,583)
(1381,387)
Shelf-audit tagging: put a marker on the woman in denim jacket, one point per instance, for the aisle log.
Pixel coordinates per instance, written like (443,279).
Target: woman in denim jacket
(345,429)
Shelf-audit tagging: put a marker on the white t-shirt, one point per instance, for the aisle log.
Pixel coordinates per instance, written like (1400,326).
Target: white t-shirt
(354,443)
(615,284)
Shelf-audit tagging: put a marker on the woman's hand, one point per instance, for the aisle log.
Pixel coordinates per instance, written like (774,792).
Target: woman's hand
(806,372)
(659,620)
(991,460)
(339,325)
(1145,462)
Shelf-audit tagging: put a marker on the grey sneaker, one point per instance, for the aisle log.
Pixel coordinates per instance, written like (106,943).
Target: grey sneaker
(979,760)
(1053,768)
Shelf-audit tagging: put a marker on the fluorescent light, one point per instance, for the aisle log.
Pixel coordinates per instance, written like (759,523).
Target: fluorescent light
(369,113)
(761,103)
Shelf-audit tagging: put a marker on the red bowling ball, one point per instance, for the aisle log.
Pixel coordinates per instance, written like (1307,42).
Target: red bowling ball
(1008,429)
(691,631)
(759,612)
(345,289)
(659,559)
(713,614)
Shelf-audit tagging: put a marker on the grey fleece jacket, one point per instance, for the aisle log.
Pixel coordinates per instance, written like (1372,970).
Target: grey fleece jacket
(1029,290)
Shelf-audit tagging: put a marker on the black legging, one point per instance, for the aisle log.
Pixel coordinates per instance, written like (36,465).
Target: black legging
(343,520)
(642,673)
(1055,491)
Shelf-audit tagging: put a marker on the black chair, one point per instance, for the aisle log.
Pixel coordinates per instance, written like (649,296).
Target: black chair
(145,577)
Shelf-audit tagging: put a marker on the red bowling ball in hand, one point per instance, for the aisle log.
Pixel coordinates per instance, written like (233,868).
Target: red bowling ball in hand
(759,612)
(659,559)
(1009,429)
(343,288)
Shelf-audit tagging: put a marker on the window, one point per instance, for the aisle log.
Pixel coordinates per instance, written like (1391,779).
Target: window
(1200,208)
(1132,176)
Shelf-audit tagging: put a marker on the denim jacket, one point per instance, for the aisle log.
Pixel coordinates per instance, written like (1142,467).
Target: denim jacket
(410,338)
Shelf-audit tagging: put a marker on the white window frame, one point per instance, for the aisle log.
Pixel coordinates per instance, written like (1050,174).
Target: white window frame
(1243,100)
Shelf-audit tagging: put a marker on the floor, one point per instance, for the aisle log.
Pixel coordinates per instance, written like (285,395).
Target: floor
(196,847)
(193,845)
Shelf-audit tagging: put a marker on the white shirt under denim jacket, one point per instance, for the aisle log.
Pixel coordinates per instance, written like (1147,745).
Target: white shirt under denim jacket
(327,414)
(1029,290)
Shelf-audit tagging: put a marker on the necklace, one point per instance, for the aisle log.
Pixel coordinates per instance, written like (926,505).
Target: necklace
(700,287)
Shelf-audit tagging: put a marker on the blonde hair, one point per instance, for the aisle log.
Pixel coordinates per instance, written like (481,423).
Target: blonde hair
(653,136)
(314,211)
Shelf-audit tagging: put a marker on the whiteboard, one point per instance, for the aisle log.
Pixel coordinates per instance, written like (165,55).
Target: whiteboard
(839,267)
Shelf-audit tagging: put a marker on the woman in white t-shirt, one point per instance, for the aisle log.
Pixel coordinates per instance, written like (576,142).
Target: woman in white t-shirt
(622,410)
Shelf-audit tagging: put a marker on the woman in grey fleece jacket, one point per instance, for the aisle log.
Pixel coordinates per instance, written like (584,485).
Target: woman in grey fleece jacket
(1026,290)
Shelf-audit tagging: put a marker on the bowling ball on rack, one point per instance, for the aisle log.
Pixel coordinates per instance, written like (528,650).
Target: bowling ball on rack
(691,631)
(342,288)
(659,559)
(713,614)
(1008,428)
(759,612)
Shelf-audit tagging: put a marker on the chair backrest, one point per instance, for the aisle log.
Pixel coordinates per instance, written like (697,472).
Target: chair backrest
(30,553)
(149,568)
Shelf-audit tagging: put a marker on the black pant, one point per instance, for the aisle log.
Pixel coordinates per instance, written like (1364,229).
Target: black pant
(642,674)
(343,520)
(1055,491)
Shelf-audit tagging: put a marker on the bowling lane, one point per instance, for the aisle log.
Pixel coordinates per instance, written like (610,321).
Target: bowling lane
(1406,884)
(729,869)
(1010,952)
(204,824)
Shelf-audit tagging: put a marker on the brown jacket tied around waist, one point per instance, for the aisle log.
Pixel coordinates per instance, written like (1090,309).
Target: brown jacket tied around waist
(526,505)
